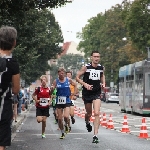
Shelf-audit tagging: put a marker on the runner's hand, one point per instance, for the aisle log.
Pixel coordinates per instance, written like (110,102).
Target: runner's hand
(88,87)
(74,97)
(102,85)
(37,101)
(50,103)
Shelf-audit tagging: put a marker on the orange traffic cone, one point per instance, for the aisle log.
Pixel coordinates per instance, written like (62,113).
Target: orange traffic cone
(143,131)
(104,122)
(125,127)
(83,113)
(75,110)
(79,112)
(110,124)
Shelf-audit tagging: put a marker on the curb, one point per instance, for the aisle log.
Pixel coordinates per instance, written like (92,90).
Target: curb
(14,127)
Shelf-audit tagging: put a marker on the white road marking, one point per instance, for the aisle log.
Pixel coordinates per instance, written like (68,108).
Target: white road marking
(59,134)
(134,131)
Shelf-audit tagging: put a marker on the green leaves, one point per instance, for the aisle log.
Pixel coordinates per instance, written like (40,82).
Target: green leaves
(105,32)
(138,24)
(38,38)
(71,62)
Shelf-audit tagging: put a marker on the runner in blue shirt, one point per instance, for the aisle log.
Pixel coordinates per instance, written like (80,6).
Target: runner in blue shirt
(63,102)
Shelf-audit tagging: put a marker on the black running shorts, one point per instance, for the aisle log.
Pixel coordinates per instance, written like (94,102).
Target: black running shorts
(42,112)
(59,106)
(89,99)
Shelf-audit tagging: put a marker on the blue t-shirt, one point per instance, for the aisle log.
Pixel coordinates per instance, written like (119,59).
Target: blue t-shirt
(63,92)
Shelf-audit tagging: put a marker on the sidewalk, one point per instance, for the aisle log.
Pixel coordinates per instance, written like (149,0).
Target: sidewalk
(20,119)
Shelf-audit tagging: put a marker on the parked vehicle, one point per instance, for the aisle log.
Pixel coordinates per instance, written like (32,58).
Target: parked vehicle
(103,96)
(112,97)
(134,87)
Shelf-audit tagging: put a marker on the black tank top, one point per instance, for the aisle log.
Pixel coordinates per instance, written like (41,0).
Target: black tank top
(92,76)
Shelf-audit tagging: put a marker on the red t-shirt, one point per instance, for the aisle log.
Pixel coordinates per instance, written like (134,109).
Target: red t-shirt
(44,96)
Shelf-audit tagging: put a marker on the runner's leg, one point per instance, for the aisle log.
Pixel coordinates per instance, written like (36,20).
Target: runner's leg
(88,108)
(96,104)
(60,122)
(66,117)
(44,124)
(72,113)
(60,119)
(39,119)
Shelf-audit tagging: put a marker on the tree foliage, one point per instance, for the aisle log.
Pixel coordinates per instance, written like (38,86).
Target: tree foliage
(71,62)
(105,33)
(38,41)
(39,34)
(137,20)
(13,6)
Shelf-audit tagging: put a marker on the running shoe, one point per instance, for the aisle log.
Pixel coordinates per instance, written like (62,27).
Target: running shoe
(66,129)
(69,129)
(73,120)
(55,122)
(95,139)
(43,136)
(62,136)
(89,127)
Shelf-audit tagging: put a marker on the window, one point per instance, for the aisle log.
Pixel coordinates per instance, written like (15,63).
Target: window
(147,84)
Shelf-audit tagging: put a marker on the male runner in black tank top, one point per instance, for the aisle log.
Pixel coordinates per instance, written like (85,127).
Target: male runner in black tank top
(93,76)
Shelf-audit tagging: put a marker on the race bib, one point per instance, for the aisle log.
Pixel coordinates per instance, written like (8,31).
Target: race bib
(61,100)
(44,101)
(94,74)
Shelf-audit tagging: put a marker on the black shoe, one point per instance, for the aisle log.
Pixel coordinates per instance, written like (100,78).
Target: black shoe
(73,120)
(62,136)
(69,129)
(95,139)
(89,127)
(66,129)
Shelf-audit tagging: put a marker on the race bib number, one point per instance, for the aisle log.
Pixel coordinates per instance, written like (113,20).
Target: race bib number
(94,74)
(61,100)
(44,101)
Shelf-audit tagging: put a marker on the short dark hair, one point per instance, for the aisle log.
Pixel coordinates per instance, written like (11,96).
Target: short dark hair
(8,36)
(69,72)
(95,51)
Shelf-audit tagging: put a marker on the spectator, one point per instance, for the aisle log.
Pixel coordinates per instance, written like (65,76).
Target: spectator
(9,83)
(23,99)
(20,95)
(15,104)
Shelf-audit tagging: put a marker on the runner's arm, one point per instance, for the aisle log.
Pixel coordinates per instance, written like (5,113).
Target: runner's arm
(15,84)
(79,74)
(54,86)
(75,86)
(34,96)
(103,79)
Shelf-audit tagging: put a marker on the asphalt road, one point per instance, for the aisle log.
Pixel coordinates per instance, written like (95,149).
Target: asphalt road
(28,135)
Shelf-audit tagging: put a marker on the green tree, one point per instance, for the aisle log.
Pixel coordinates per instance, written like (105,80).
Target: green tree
(137,20)
(104,33)
(38,33)
(38,41)
(71,62)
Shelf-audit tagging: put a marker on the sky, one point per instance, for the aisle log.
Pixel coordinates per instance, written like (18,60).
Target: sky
(74,16)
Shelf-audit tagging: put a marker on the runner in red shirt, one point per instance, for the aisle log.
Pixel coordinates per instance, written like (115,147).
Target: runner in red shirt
(42,98)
